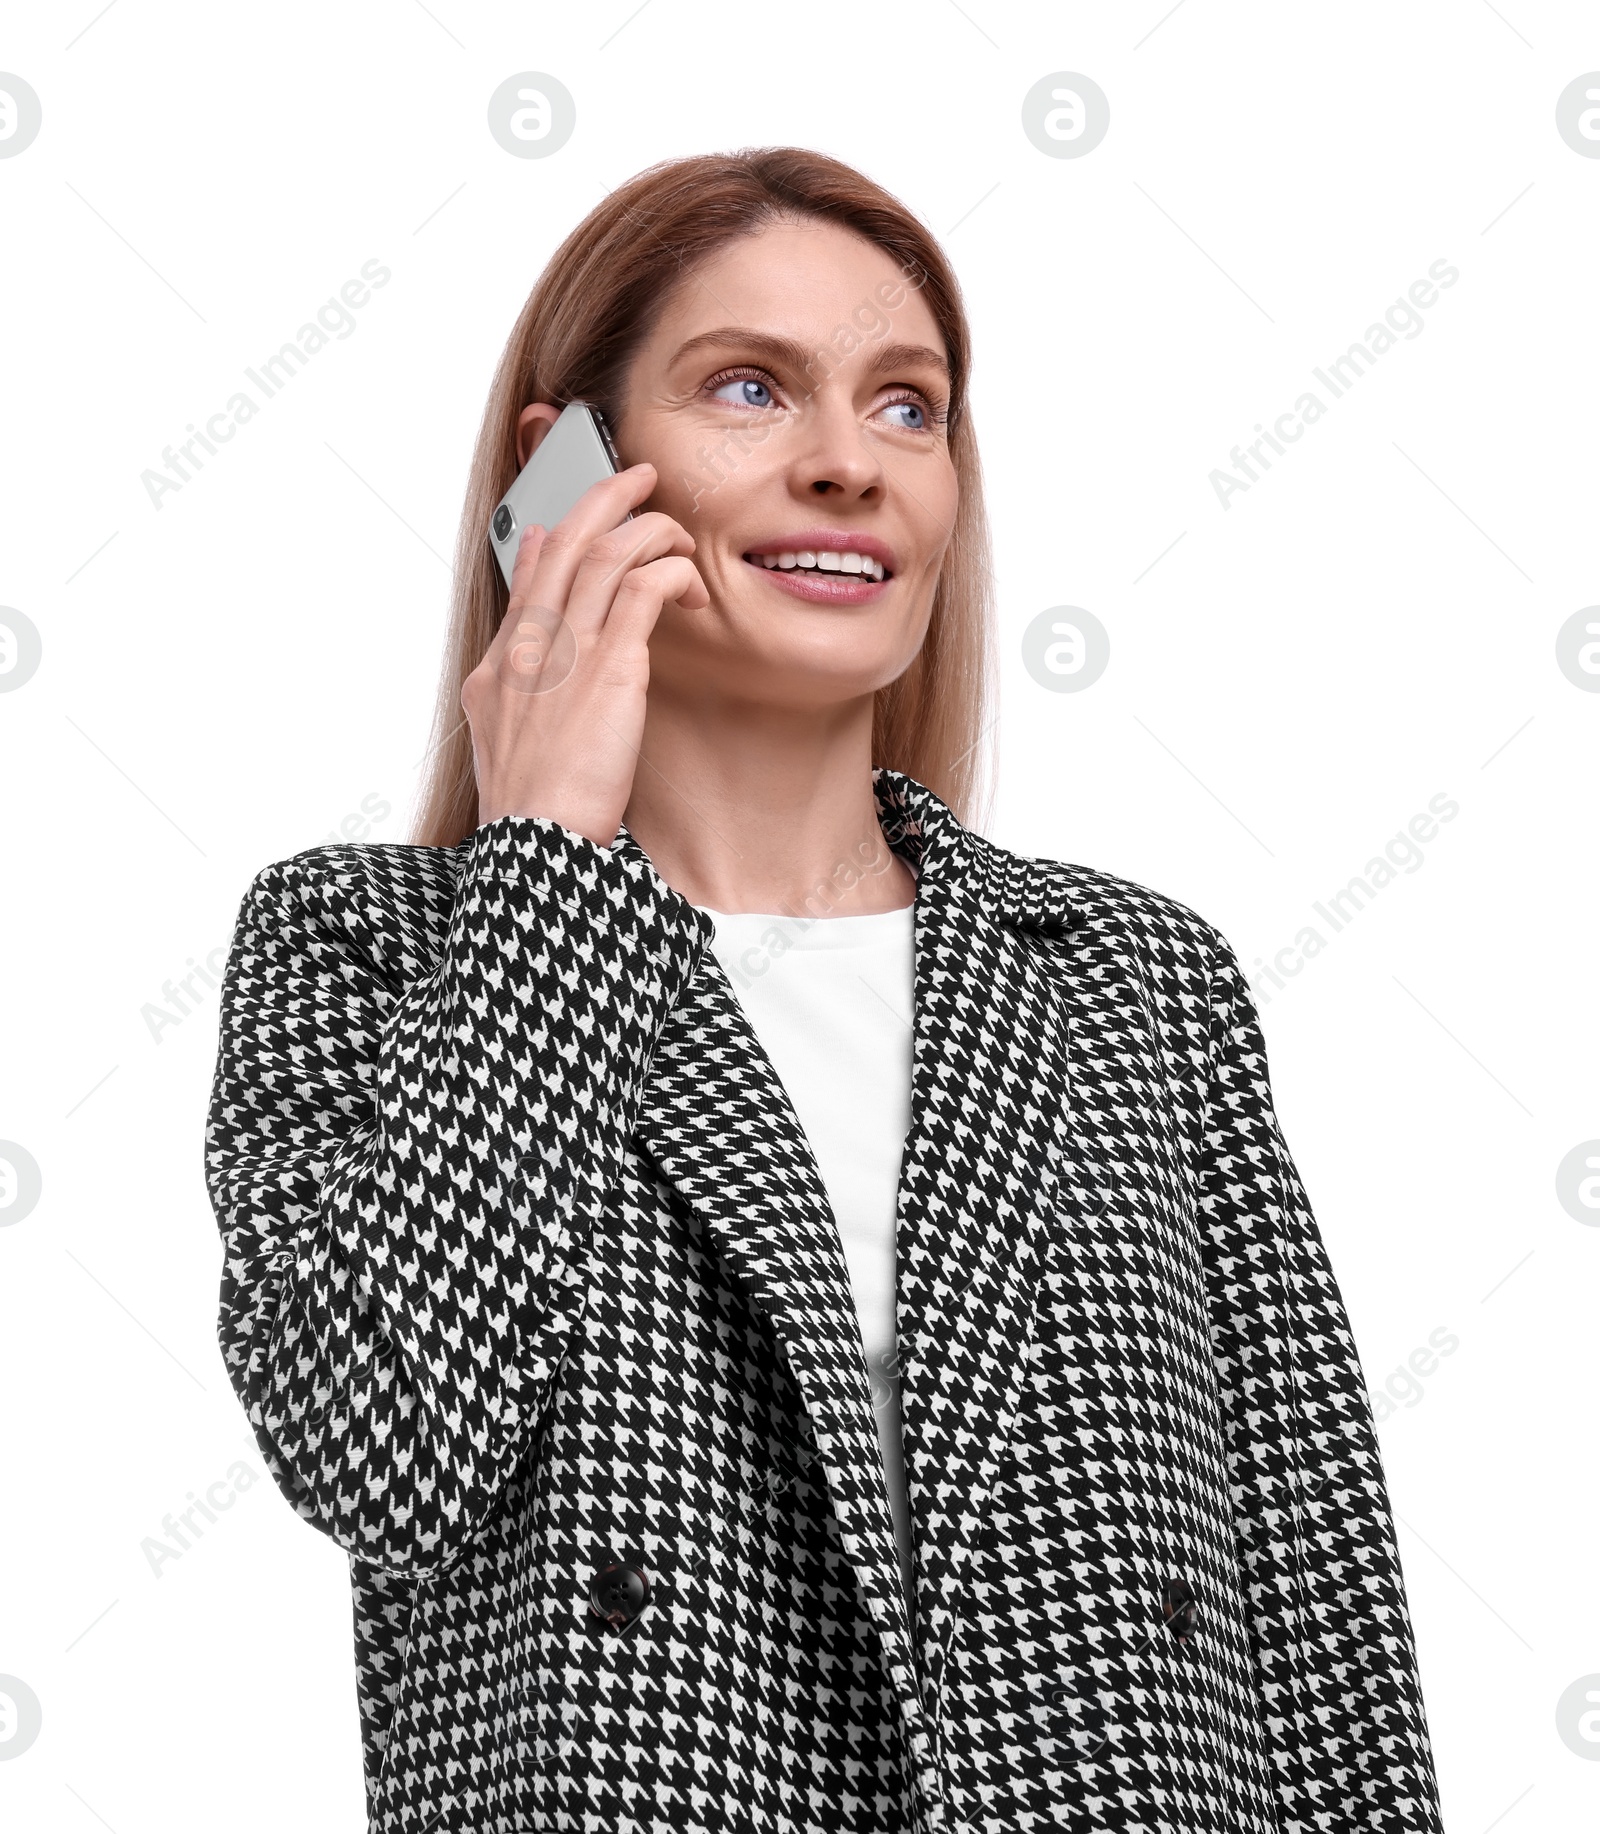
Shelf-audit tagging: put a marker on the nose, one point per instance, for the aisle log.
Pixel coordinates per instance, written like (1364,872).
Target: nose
(836,462)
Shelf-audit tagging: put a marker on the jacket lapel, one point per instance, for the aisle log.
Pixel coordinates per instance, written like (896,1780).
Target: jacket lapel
(987,1143)
(991,1138)
(717,1120)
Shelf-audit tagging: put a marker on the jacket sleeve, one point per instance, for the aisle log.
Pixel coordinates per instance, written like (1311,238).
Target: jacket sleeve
(407,1170)
(1340,1702)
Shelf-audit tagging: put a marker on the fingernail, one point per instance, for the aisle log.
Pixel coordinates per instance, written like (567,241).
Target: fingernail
(532,528)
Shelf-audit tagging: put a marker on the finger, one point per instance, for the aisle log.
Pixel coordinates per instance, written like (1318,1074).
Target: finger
(529,543)
(611,556)
(642,594)
(599,510)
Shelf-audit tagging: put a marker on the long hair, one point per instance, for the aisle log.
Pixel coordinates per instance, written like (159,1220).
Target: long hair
(585,319)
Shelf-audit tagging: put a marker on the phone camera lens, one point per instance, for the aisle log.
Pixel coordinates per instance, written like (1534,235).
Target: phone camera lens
(504,522)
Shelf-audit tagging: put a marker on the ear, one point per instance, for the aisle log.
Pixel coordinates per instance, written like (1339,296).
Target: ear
(533,423)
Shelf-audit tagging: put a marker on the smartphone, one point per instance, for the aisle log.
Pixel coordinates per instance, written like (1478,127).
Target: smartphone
(575,453)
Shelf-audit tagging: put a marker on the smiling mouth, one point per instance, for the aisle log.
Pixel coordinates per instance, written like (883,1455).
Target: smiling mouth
(824,563)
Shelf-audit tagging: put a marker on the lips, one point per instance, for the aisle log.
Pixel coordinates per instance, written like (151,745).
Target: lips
(848,563)
(820,587)
(824,551)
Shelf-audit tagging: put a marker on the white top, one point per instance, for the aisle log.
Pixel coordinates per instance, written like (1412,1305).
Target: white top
(830,1000)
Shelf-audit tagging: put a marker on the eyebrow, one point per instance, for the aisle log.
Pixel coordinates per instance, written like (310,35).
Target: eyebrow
(793,353)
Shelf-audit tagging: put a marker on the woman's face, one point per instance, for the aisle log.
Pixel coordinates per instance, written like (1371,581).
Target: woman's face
(792,398)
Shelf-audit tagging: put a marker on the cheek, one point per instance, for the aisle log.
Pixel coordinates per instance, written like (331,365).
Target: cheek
(703,481)
(678,492)
(941,549)
(939,500)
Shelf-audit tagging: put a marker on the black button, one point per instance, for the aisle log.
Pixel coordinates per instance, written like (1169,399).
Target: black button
(617,1594)
(1179,1611)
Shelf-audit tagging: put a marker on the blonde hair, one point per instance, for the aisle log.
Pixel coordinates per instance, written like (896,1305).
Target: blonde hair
(585,319)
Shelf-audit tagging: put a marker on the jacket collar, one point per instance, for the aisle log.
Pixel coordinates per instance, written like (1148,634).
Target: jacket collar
(988,1145)
(1023,894)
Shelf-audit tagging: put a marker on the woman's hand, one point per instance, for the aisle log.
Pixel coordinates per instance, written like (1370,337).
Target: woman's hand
(556,706)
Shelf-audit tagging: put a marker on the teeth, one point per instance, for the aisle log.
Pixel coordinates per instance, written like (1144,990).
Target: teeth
(824,560)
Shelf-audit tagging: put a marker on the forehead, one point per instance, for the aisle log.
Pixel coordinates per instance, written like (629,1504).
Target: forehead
(801,281)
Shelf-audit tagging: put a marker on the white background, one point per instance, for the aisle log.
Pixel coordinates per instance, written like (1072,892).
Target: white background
(1292,678)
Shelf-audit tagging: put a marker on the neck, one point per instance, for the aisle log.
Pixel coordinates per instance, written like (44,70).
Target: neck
(748,808)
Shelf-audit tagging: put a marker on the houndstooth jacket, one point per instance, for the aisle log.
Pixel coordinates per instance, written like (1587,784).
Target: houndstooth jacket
(534,1300)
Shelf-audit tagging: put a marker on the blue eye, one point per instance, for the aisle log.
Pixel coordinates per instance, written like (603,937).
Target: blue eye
(912,407)
(753,393)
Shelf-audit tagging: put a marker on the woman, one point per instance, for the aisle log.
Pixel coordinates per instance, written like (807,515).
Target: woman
(705,1460)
